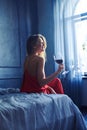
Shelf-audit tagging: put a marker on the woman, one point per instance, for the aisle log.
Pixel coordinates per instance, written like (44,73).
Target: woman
(34,80)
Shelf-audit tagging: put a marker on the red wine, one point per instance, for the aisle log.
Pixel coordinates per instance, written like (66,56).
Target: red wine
(59,61)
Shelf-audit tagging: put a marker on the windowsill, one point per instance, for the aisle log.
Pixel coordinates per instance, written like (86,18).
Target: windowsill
(84,77)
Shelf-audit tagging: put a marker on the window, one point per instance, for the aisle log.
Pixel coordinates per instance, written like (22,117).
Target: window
(80,18)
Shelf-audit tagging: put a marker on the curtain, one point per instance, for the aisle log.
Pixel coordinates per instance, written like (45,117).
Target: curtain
(65,43)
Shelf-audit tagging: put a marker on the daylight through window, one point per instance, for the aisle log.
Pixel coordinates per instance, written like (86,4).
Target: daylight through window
(81,33)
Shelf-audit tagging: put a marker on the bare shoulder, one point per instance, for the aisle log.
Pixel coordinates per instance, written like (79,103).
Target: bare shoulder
(40,60)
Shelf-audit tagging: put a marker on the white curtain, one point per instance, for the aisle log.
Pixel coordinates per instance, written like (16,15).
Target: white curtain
(65,43)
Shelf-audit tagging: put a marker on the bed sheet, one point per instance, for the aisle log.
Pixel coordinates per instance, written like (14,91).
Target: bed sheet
(22,111)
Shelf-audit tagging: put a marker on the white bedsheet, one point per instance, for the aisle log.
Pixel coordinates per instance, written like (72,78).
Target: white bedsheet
(21,111)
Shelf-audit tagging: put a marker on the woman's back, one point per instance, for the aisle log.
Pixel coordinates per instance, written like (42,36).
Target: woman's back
(31,64)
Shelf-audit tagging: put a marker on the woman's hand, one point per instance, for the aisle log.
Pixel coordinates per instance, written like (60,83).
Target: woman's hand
(51,90)
(60,68)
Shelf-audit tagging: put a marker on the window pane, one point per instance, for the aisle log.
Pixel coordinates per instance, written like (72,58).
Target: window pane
(81,39)
(81,7)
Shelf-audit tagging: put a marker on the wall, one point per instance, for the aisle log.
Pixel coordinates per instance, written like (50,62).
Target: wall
(46,27)
(31,16)
(18,19)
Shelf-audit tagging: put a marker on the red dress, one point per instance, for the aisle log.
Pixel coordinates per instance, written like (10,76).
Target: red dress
(31,85)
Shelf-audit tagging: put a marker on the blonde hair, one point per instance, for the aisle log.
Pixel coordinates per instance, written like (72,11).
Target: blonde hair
(32,41)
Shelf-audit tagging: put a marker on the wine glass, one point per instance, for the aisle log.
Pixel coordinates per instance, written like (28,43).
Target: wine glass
(59,60)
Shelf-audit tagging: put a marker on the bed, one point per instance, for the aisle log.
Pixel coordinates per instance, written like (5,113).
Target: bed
(22,111)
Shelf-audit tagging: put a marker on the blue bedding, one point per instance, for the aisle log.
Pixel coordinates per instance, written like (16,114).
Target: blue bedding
(22,111)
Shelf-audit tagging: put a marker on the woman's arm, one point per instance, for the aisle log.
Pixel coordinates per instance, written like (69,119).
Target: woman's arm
(42,79)
(51,90)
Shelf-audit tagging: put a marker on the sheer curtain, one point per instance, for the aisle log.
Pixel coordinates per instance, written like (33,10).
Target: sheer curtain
(65,43)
